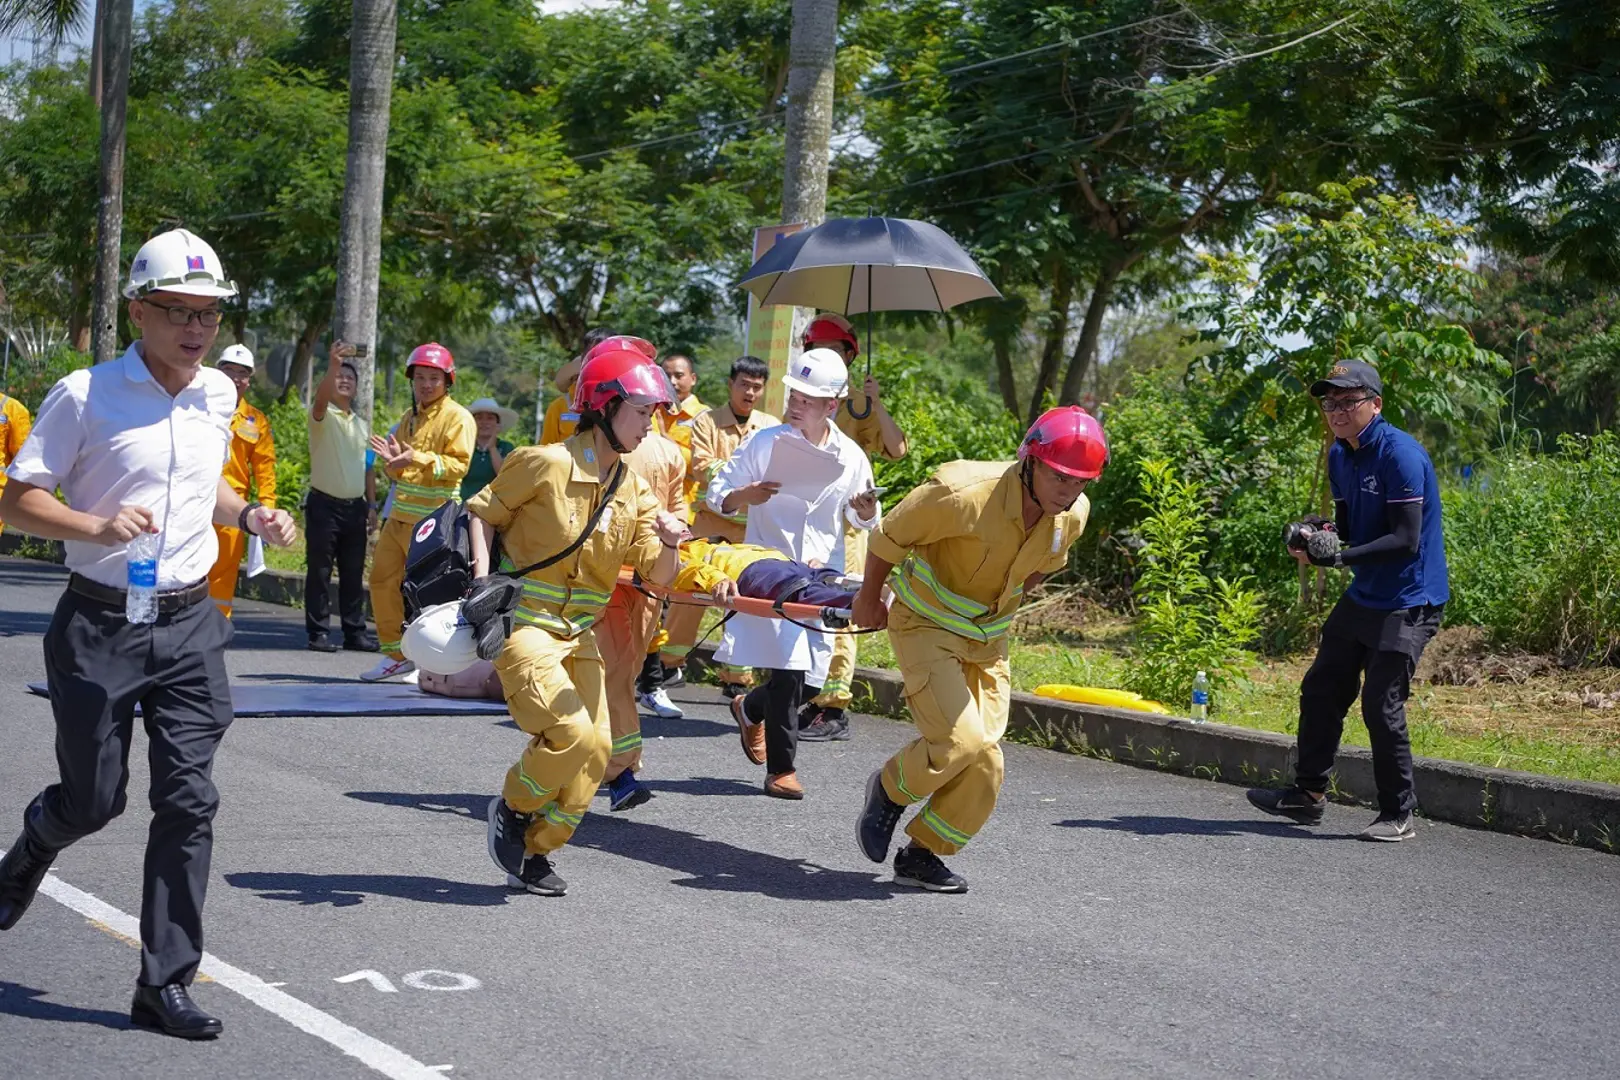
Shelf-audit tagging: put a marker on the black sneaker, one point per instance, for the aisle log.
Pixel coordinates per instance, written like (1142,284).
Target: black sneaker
(823,725)
(506,829)
(21,871)
(874,830)
(320,644)
(673,677)
(1294,803)
(538,877)
(731,689)
(1390,829)
(922,869)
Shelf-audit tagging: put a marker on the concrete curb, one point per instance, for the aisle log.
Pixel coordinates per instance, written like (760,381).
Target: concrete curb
(1569,811)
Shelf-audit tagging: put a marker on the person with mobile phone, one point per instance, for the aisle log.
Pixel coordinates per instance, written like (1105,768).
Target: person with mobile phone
(340,510)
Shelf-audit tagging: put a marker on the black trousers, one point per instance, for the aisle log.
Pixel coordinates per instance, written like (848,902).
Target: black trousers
(1372,652)
(99,668)
(335,530)
(776,704)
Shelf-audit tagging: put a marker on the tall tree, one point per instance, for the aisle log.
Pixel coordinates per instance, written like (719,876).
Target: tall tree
(359,265)
(116,21)
(812,55)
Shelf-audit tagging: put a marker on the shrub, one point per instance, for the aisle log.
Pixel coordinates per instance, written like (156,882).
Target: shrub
(1533,549)
(1187,622)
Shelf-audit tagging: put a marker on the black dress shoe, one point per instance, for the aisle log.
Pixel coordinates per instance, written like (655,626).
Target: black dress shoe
(169,1009)
(21,871)
(361,644)
(322,645)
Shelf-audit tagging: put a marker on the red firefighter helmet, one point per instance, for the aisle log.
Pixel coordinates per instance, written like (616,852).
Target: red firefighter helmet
(832,328)
(1070,440)
(622,341)
(433,355)
(625,374)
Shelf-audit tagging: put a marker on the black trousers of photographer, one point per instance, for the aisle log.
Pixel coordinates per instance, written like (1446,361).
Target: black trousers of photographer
(1373,652)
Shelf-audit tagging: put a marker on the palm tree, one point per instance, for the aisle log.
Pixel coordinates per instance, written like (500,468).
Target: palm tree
(812,49)
(371,85)
(114,19)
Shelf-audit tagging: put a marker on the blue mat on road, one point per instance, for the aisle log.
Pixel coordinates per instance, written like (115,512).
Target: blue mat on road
(343,699)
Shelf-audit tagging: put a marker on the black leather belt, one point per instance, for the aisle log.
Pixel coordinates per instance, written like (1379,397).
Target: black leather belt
(168,602)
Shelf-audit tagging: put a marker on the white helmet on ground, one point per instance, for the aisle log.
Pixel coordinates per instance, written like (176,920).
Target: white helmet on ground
(240,355)
(818,373)
(440,640)
(177,261)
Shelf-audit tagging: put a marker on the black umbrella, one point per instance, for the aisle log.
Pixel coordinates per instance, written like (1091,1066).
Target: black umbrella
(851,265)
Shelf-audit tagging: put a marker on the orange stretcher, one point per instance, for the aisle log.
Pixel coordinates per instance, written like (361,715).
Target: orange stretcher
(831,617)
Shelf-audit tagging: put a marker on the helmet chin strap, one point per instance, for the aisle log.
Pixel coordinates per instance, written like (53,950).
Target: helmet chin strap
(608,414)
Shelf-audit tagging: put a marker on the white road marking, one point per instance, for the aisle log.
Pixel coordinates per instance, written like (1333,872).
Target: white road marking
(373,1053)
(377,979)
(433,979)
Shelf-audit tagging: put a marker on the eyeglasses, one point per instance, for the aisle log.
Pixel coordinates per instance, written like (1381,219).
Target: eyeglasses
(1344,404)
(182,316)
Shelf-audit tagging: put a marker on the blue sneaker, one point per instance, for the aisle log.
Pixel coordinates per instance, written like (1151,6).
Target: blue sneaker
(625,792)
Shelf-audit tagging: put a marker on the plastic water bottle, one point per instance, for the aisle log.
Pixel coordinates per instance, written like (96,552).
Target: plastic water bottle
(140,602)
(1200,698)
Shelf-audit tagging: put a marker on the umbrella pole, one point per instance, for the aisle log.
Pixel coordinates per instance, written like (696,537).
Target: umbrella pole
(868,412)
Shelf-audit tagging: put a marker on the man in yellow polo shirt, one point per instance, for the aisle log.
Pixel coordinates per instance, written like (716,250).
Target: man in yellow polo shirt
(250,467)
(339,510)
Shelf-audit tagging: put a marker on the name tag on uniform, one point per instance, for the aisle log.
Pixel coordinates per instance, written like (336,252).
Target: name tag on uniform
(1057,538)
(606,521)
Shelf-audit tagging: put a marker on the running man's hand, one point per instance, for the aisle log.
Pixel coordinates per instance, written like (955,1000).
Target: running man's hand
(276,527)
(124,526)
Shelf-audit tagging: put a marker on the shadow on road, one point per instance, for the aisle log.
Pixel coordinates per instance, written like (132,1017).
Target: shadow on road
(467,806)
(704,785)
(261,631)
(347,890)
(1148,825)
(712,864)
(686,727)
(293,677)
(28,1003)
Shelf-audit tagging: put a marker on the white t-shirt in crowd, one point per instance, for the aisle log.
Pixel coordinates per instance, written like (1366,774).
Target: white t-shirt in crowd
(110,436)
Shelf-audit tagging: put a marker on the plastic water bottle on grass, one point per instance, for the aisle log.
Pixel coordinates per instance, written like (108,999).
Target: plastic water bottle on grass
(1200,699)
(140,602)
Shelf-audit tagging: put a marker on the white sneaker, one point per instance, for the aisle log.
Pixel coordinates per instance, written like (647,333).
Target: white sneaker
(388,668)
(659,705)
(410,680)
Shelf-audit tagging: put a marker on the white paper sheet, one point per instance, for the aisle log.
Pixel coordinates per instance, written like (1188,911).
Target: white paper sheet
(255,556)
(803,470)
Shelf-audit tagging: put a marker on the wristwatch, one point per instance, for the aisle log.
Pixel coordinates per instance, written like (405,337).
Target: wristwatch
(1338,560)
(242,519)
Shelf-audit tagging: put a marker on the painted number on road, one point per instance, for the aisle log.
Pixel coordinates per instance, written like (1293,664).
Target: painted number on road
(430,979)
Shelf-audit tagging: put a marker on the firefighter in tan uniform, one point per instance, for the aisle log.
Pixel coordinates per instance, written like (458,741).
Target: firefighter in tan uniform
(250,467)
(426,458)
(716,435)
(876,433)
(960,552)
(629,623)
(15,424)
(550,668)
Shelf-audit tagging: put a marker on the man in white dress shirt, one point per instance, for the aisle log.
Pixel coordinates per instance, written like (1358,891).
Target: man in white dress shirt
(810,530)
(139,445)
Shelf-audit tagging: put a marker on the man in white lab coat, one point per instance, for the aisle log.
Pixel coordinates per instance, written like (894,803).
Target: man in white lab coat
(801,480)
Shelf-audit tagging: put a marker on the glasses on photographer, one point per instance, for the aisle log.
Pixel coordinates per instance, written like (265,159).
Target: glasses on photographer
(182,316)
(1344,404)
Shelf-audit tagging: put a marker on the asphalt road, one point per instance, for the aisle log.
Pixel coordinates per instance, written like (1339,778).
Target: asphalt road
(1120,922)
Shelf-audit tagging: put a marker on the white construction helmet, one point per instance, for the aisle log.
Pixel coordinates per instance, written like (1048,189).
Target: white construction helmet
(440,640)
(177,261)
(818,373)
(240,355)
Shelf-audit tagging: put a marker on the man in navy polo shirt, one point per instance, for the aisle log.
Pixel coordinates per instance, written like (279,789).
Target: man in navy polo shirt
(1387,509)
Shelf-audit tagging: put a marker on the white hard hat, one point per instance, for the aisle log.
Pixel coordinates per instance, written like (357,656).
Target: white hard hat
(818,373)
(440,640)
(505,416)
(177,261)
(237,354)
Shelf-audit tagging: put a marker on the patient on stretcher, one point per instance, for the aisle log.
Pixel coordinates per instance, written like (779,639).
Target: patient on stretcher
(720,569)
